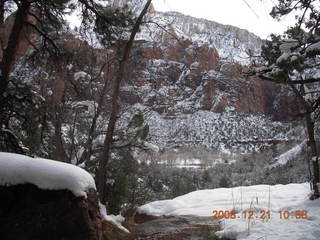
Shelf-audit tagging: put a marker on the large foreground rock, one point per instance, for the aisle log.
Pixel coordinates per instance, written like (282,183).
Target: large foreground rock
(30,213)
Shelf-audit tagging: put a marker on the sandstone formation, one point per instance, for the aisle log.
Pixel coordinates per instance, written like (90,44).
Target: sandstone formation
(183,77)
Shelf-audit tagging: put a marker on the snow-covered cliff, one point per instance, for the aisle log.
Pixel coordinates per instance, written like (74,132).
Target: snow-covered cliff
(232,43)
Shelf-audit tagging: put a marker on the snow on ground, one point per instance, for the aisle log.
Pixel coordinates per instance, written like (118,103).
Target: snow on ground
(284,158)
(258,198)
(117,220)
(44,173)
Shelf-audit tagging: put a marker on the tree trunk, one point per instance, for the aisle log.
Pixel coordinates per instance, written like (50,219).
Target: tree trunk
(85,157)
(2,12)
(2,27)
(314,155)
(59,150)
(56,111)
(312,142)
(105,156)
(8,59)
(9,53)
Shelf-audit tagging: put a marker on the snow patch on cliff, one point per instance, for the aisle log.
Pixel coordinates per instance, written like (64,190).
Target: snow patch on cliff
(243,132)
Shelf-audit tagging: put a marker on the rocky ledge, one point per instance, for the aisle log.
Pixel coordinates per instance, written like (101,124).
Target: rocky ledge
(145,227)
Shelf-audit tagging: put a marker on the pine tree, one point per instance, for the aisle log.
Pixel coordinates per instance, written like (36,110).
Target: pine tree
(293,59)
(43,19)
(125,53)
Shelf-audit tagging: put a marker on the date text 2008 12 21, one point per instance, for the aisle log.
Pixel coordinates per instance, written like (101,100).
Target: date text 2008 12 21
(260,214)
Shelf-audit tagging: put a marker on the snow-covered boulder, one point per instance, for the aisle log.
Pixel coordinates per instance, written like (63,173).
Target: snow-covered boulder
(44,173)
(46,199)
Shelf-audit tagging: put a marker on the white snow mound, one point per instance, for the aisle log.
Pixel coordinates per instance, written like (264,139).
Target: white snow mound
(258,198)
(44,173)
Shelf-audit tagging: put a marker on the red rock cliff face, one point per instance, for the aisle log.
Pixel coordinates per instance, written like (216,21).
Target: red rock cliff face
(184,77)
(177,75)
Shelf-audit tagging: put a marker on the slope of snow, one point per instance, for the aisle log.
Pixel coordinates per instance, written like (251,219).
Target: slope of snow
(284,158)
(45,174)
(243,132)
(291,197)
(117,220)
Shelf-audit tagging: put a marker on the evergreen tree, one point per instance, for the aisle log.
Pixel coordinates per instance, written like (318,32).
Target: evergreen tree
(293,59)
(124,56)
(43,19)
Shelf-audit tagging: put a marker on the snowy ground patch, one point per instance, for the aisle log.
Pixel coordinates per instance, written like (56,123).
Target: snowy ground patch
(117,220)
(44,173)
(258,198)
(284,158)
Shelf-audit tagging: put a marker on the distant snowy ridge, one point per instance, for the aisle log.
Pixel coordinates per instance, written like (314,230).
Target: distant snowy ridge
(44,173)
(232,43)
(135,5)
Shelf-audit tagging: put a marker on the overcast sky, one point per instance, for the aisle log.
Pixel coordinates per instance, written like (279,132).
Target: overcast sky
(255,18)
